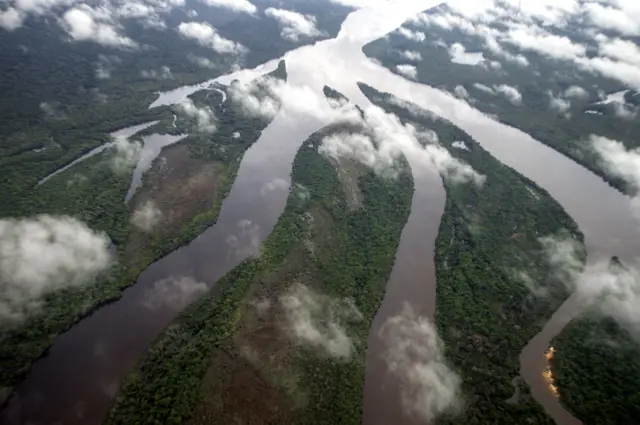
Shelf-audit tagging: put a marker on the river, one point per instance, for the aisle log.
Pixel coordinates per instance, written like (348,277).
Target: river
(77,381)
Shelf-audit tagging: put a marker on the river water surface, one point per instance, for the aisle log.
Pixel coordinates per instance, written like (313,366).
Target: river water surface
(77,381)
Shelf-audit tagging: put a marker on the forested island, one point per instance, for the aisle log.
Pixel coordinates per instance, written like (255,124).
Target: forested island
(491,268)
(239,354)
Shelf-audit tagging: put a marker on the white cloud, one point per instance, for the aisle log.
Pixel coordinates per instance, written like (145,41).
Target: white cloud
(147,216)
(618,161)
(621,50)
(319,321)
(205,118)
(461,92)
(612,18)
(414,354)
(412,55)
(126,154)
(201,61)
(511,93)
(576,92)
(43,254)
(412,35)
(243,6)
(84,23)
(385,140)
(559,104)
(408,71)
(294,25)
(536,39)
(11,19)
(458,54)
(207,36)
(163,74)
(483,88)
(614,291)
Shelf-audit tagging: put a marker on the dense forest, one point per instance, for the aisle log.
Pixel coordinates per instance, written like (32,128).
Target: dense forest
(232,357)
(597,370)
(91,191)
(489,263)
(544,110)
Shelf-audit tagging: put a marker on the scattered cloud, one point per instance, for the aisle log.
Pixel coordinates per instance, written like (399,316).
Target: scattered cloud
(42,254)
(412,55)
(576,92)
(11,19)
(412,35)
(319,321)
(146,216)
(84,23)
(559,104)
(201,61)
(163,74)
(204,117)
(126,154)
(243,6)
(408,71)
(618,160)
(414,354)
(207,36)
(461,92)
(53,111)
(612,291)
(294,25)
(511,93)
(458,54)
(483,88)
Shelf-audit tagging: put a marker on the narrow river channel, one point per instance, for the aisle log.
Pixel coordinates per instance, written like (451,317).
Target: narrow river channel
(77,382)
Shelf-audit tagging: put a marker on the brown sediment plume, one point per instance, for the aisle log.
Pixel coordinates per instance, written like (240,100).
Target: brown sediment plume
(548,374)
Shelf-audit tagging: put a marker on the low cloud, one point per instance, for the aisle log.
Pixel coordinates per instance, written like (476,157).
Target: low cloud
(461,92)
(126,155)
(163,74)
(408,71)
(11,19)
(204,117)
(173,293)
(319,321)
(243,6)
(294,25)
(412,55)
(201,61)
(52,111)
(576,92)
(385,140)
(84,23)
(207,36)
(458,54)
(412,35)
(559,104)
(146,216)
(43,254)
(613,291)
(618,160)
(414,354)
(511,93)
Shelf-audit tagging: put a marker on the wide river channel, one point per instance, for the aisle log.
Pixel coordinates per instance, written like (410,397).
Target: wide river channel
(77,381)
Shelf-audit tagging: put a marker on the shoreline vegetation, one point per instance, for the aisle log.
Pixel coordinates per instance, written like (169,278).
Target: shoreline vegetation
(214,156)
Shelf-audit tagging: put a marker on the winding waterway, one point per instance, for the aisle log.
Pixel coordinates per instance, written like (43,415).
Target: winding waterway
(77,381)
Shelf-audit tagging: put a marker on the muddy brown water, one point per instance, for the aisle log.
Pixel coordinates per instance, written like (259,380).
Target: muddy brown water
(77,381)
